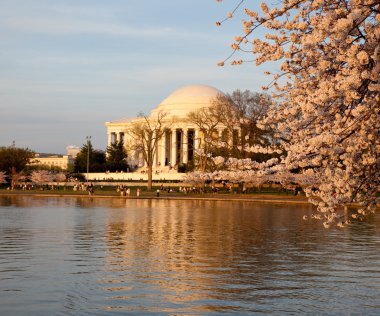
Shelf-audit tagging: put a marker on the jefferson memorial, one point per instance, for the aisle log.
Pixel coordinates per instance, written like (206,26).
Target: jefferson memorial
(181,137)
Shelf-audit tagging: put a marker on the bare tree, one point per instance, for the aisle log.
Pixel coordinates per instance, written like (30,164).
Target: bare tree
(207,119)
(237,115)
(241,113)
(145,134)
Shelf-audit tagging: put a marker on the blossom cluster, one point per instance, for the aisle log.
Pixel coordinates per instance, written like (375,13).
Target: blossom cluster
(2,177)
(45,176)
(328,93)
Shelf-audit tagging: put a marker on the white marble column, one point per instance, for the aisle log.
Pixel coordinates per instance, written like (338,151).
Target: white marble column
(109,141)
(184,146)
(173,153)
(230,138)
(163,149)
(196,139)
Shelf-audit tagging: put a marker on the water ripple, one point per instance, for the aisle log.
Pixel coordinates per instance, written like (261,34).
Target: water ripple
(82,257)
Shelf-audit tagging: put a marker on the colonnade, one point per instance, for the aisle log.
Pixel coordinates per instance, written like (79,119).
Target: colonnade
(115,137)
(176,146)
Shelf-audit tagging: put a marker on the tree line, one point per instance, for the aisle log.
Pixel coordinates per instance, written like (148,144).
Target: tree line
(15,163)
(113,159)
(239,111)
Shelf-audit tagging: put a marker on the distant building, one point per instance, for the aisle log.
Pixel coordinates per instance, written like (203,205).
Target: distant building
(72,150)
(181,138)
(55,160)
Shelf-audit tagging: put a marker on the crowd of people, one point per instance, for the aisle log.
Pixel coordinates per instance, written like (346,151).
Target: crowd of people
(84,187)
(125,191)
(128,191)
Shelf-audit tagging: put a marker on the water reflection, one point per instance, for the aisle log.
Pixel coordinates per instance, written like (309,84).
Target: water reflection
(97,256)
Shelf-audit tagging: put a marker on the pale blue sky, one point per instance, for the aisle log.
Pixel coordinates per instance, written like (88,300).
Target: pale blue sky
(67,67)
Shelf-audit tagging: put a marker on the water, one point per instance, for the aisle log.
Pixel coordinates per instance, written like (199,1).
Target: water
(73,256)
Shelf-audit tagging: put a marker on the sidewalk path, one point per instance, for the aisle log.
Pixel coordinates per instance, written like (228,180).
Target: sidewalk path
(261,198)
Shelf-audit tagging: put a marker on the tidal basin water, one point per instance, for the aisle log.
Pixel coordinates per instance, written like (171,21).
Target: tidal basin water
(81,256)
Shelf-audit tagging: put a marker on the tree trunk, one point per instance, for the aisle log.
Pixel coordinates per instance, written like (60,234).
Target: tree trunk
(150,176)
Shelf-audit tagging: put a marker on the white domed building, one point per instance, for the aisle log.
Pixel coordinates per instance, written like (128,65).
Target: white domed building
(181,137)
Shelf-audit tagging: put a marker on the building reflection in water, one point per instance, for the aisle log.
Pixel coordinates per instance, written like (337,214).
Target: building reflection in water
(196,252)
(182,257)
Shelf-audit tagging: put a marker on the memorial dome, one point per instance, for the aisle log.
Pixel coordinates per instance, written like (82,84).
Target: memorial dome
(187,99)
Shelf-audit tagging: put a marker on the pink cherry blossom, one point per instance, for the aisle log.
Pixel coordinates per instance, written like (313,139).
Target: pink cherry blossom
(327,92)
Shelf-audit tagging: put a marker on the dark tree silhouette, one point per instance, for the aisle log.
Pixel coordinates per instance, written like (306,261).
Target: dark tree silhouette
(97,159)
(116,157)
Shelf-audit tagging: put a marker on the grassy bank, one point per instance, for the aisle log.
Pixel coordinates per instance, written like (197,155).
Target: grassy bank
(106,192)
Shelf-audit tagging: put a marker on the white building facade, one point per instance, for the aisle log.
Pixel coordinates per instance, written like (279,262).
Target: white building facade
(181,137)
(63,162)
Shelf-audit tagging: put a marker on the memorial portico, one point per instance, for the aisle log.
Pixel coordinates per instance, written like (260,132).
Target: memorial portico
(176,146)
(180,138)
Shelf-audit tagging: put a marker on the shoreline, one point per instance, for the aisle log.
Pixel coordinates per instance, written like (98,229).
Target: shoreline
(259,198)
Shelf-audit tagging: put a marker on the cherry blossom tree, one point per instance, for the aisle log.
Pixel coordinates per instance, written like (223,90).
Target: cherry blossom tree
(3,177)
(17,177)
(327,93)
(198,178)
(254,174)
(40,177)
(244,171)
(60,177)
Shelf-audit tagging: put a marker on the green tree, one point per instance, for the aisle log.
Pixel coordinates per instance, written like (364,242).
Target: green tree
(96,162)
(13,158)
(116,157)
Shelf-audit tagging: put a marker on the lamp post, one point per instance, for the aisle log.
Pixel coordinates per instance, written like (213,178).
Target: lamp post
(88,138)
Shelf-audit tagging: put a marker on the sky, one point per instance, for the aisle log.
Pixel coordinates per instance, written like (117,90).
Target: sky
(67,67)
